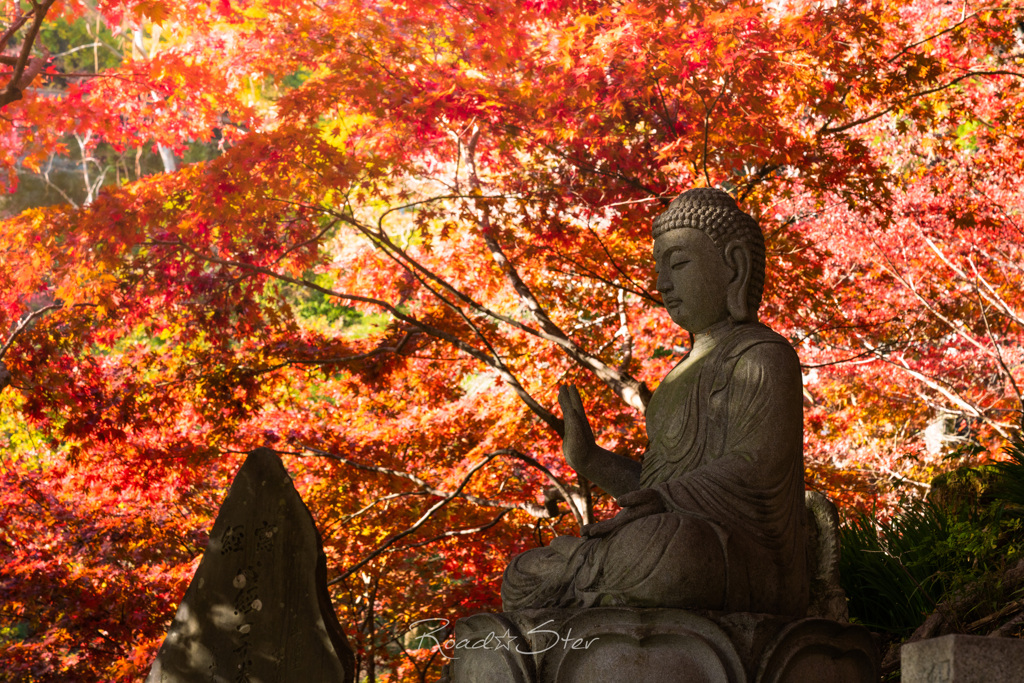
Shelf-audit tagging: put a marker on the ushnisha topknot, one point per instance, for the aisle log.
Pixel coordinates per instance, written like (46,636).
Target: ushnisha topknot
(716,214)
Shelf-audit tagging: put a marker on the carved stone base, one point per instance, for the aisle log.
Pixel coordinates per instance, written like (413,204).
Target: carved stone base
(623,643)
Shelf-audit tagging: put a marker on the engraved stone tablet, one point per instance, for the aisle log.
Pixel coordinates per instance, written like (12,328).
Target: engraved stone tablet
(258,609)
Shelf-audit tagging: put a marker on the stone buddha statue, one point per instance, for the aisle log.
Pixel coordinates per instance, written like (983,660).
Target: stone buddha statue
(713,518)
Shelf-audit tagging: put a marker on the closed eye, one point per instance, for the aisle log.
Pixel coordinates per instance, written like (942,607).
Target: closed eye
(676,265)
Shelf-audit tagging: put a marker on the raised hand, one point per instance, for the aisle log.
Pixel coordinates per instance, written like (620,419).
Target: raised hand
(578,444)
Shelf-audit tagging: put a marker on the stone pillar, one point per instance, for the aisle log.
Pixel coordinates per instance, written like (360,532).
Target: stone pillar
(258,608)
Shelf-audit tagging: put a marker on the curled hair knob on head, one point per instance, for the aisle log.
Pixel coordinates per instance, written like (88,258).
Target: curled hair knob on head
(716,214)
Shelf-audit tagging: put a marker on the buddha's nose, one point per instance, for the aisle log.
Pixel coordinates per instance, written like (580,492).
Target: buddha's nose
(664,283)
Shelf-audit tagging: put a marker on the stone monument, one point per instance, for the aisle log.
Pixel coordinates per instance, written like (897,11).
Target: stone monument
(705,573)
(257,609)
(959,658)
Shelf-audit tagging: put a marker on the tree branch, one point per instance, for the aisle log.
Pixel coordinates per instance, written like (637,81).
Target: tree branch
(425,516)
(25,322)
(630,390)
(496,363)
(707,126)
(533,509)
(826,130)
(464,531)
(26,68)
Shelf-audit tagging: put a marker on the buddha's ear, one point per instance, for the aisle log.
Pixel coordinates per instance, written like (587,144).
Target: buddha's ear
(737,257)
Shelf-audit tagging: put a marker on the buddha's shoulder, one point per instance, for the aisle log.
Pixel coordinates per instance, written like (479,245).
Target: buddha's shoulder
(757,347)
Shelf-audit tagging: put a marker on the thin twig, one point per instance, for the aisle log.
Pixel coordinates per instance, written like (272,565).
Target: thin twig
(417,524)
(23,324)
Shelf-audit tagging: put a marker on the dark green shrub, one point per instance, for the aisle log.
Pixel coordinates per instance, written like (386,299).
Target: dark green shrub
(888,570)
(969,530)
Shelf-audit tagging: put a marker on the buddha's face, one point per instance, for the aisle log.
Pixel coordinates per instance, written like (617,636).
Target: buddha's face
(693,278)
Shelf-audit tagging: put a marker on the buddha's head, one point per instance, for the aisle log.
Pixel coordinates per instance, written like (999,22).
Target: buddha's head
(709,256)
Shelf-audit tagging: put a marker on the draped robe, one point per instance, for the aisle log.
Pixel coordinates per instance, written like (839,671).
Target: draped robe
(726,459)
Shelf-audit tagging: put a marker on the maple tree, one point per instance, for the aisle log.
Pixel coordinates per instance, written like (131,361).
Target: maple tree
(419,221)
(77,547)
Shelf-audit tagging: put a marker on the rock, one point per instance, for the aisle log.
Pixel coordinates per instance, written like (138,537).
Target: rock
(258,607)
(963,659)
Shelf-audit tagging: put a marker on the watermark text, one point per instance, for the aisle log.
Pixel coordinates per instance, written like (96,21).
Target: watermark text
(538,640)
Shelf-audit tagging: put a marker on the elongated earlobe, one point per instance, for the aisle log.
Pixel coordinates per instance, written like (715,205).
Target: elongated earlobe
(737,257)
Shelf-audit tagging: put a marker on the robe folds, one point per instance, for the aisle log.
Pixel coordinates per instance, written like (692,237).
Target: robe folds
(726,459)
